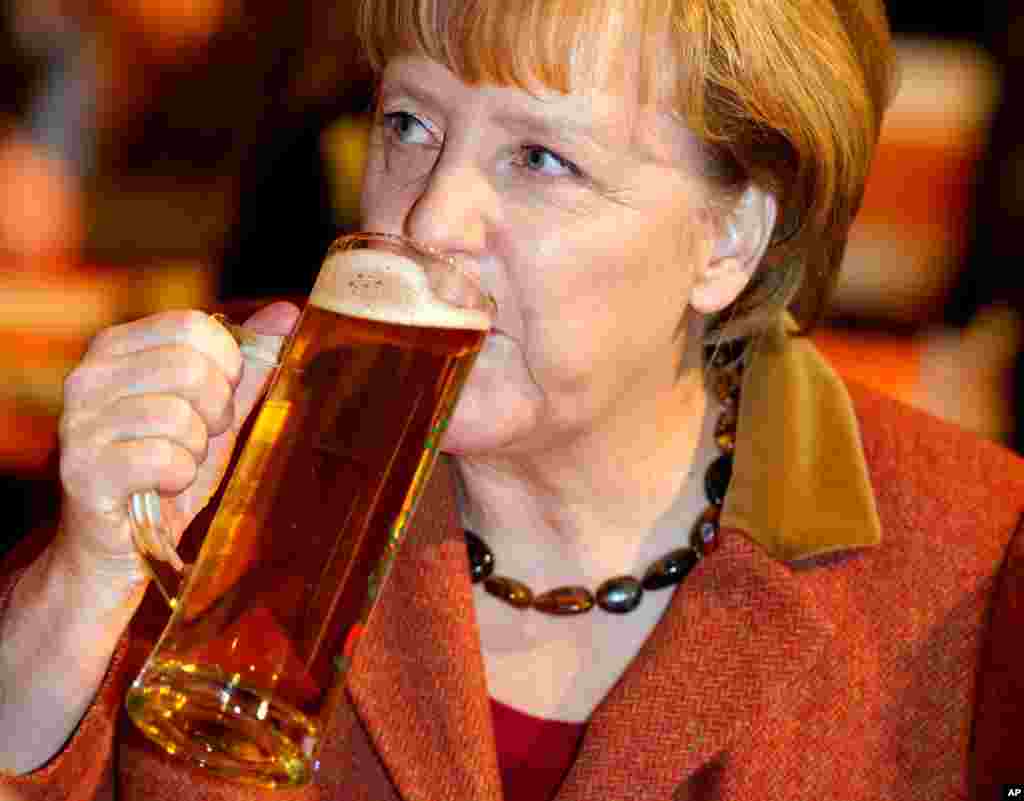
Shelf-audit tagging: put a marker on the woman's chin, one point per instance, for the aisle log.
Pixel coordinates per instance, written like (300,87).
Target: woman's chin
(470,433)
(465,441)
(499,404)
(482,423)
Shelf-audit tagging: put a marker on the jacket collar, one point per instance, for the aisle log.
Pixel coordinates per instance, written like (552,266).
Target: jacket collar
(800,485)
(418,681)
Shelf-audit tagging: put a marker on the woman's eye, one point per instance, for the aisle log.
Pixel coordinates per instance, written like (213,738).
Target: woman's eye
(541,160)
(407,128)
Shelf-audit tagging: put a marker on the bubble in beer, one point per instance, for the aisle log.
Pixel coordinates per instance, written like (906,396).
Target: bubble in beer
(388,287)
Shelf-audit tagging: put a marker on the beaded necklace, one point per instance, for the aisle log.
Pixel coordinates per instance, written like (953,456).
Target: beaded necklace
(622,594)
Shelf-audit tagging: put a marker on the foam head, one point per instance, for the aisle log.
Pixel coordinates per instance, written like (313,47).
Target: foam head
(392,288)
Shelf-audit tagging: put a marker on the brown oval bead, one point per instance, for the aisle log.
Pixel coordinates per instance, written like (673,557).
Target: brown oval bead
(509,590)
(620,594)
(670,569)
(565,601)
(725,429)
(481,557)
(717,478)
(704,537)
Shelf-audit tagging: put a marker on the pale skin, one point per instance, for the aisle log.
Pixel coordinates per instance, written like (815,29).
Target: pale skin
(582,434)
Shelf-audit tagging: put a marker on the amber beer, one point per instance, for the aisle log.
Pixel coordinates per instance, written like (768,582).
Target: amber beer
(310,522)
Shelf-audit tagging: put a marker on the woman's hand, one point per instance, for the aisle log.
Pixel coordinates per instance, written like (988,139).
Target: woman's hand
(155,404)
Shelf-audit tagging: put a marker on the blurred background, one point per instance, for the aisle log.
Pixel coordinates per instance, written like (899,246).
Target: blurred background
(190,153)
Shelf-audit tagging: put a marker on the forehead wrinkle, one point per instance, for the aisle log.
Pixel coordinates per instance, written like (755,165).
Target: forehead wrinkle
(593,116)
(611,122)
(560,127)
(400,82)
(611,115)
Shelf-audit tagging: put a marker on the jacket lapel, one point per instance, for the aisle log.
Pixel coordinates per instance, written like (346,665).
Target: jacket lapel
(737,634)
(417,678)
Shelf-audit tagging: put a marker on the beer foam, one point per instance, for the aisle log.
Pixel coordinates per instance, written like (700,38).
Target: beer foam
(389,288)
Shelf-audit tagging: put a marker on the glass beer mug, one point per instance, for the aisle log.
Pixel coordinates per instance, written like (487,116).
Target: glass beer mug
(243,677)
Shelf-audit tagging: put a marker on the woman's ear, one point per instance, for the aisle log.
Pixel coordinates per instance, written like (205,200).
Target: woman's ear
(743,238)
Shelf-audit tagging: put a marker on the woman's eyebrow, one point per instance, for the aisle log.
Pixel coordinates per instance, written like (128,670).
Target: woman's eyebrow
(398,86)
(562,128)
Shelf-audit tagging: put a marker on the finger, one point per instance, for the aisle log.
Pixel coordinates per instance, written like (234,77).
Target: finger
(277,319)
(139,417)
(172,370)
(107,478)
(191,328)
(150,534)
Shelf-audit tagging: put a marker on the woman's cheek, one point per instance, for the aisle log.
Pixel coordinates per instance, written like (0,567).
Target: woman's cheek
(388,193)
(500,403)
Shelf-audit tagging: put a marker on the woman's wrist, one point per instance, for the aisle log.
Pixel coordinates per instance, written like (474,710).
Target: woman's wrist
(57,637)
(5,602)
(102,582)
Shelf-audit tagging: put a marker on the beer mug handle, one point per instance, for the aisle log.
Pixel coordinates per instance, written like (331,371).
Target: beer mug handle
(152,539)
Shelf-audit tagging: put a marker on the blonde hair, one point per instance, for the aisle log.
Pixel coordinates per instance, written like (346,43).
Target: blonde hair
(785,94)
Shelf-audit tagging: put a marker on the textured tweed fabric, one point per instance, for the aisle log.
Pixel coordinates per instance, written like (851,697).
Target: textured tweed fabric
(889,670)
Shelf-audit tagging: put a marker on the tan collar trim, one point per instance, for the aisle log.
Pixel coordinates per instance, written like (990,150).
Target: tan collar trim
(800,485)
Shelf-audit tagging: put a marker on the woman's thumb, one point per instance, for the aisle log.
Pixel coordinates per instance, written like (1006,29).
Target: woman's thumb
(261,340)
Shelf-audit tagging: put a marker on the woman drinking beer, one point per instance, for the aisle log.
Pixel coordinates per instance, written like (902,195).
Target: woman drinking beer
(701,565)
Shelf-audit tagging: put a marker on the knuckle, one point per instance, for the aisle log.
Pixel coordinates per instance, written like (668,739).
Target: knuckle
(190,428)
(226,414)
(68,479)
(73,471)
(67,426)
(77,382)
(193,318)
(101,339)
(162,456)
(217,404)
(180,414)
(196,372)
(67,467)
(176,466)
(201,446)
(195,323)
(224,398)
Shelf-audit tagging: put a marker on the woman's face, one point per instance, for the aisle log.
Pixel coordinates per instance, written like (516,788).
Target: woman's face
(584,216)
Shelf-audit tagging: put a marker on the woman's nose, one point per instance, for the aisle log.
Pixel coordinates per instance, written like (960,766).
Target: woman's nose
(452,212)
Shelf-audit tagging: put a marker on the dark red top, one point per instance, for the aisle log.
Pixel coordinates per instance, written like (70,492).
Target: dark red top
(534,754)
